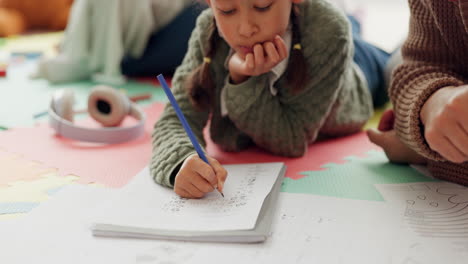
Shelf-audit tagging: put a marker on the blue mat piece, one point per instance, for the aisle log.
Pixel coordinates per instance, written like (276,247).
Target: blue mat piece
(16,208)
(355,179)
(53,191)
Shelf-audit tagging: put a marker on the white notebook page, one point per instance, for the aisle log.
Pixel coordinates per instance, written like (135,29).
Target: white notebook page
(146,204)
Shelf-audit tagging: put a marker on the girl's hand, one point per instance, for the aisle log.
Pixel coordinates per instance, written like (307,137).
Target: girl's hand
(264,57)
(196,178)
(445,119)
(387,139)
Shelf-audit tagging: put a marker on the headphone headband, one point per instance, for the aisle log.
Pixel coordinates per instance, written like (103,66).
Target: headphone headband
(110,135)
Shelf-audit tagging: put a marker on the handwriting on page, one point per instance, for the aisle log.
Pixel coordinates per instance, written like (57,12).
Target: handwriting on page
(235,198)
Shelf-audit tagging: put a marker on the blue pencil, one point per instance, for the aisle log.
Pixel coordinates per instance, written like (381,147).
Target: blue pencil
(182,119)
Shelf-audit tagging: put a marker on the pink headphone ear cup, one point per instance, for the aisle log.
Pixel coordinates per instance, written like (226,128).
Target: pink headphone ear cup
(63,101)
(107,105)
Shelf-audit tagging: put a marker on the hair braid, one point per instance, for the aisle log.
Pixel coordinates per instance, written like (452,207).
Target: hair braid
(297,66)
(200,85)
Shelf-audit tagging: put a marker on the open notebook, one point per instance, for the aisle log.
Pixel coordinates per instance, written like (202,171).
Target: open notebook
(144,209)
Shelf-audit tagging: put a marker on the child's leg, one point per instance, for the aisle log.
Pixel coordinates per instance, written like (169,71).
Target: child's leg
(372,62)
(166,48)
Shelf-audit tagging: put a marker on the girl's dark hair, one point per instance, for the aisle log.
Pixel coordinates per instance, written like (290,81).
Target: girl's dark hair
(201,87)
(297,67)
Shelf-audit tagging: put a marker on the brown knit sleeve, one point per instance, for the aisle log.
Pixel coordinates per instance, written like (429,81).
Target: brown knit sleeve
(449,171)
(427,66)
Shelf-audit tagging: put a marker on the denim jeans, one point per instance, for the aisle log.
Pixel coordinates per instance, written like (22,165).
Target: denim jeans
(372,62)
(166,48)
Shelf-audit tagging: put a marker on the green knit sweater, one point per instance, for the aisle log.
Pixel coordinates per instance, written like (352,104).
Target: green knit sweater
(334,102)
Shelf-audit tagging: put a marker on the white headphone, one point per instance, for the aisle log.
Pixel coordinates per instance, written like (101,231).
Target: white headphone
(107,106)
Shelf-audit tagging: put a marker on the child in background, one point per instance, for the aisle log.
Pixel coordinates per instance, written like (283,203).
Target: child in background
(168,43)
(430,93)
(278,74)
(108,38)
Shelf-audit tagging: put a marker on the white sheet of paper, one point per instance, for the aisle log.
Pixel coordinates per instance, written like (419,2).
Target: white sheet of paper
(306,229)
(435,218)
(146,204)
(433,209)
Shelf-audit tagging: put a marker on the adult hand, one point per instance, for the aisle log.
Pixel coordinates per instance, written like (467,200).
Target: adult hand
(386,138)
(445,119)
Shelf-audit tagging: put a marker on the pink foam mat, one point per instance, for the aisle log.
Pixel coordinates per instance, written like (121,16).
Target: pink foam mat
(111,165)
(318,154)
(115,165)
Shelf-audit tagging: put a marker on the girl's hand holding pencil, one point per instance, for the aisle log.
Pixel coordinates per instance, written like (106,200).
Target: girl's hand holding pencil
(197,178)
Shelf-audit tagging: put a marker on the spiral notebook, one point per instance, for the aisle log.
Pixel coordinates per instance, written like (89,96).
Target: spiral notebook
(146,210)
